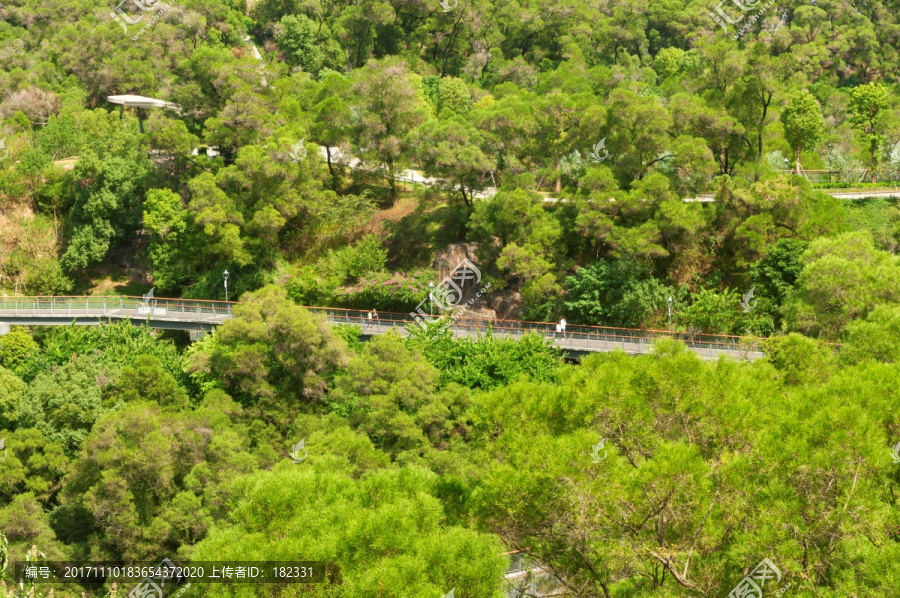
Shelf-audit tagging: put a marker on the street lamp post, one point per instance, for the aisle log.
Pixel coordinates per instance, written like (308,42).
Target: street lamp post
(431,300)
(670,313)
(829,161)
(225,277)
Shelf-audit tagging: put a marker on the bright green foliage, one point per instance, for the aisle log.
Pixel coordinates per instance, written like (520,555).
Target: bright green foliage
(143,473)
(391,393)
(711,311)
(452,149)
(616,294)
(488,362)
(116,452)
(18,351)
(801,360)
(843,279)
(271,349)
(397,292)
(879,216)
(25,525)
(803,124)
(348,264)
(46,277)
(116,345)
(877,337)
(147,380)
(776,273)
(384,532)
(453,96)
(167,221)
(668,62)
(391,104)
(689,439)
(528,237)
(637,133)
(11,391)
(333,119)
(34,464)
(297,39)
(65,403)
(868,107)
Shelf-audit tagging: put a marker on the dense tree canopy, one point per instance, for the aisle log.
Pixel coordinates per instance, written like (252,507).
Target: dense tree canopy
(624,164)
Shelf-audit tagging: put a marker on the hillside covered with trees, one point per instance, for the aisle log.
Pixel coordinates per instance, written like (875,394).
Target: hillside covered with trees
(601,162)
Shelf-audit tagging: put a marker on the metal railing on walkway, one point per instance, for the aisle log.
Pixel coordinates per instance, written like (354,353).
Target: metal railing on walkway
(135,308)
(576,337)
(204,314)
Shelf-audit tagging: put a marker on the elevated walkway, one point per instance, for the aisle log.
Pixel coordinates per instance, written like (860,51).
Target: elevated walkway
(199,316)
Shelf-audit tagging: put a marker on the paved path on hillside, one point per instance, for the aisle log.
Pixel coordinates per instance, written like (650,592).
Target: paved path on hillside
(416,177)
(195,315)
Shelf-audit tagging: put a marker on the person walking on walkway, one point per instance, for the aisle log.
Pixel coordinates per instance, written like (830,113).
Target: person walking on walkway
(375,316)
(562,327)
(558,328)
(369,317)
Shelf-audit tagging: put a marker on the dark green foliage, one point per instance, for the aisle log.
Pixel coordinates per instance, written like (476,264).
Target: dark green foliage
(616,293)
(391,393)
(429,457)
(272,350)
(776,273)
(105,206)
(121,344)
(65,403)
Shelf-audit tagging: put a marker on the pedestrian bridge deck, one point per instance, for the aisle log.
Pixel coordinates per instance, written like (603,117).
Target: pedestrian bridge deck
(203,315)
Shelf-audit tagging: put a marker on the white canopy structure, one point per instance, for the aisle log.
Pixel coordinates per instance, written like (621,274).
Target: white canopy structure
(140,102)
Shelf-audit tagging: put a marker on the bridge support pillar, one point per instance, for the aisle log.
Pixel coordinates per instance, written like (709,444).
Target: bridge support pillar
(4,328)
(196,335)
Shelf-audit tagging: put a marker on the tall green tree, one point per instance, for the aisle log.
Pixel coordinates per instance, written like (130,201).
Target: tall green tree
(273,351)
(803,124)
(868,112)
(105,206)
(390,104)
(452,150)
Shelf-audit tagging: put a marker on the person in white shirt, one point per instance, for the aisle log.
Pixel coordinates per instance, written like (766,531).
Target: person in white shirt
(562,327)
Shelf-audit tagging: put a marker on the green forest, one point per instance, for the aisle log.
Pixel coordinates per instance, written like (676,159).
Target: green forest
(684,167)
